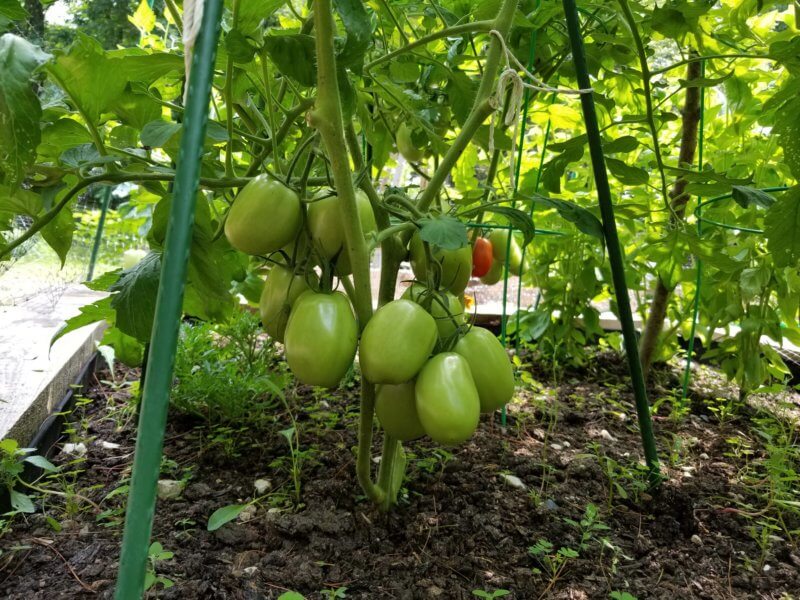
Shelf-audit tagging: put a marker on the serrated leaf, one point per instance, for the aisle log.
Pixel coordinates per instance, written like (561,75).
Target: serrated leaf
(19,202)
(20,110)
(239,47)
(224,515)
(626,143)
(58,233)
(41,462)
(582,218)
(252,12)
(13,10)
(99,310)
(746,196)
(143,18)
(135,300)
(156,134)
(294,55)
(627,174)
(788,131)
(359,32)
(448,233)
(21,502)
(92,80)
(782,228)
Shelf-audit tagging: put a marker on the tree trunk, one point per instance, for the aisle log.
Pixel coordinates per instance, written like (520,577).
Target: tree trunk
(661,295)
(34,28)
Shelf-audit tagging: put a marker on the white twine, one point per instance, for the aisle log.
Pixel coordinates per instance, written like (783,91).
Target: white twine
(510,77)
(192,17)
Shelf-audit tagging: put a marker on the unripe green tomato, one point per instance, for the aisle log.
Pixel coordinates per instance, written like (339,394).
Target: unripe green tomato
(396,408)
(281,291)
(265,216)
(456,265)
(396,342)
(500,249)
(491,370)
(495,273)
(445,308)
(325,222)
(321,338)
(405,145)
(131,258)
(447,400)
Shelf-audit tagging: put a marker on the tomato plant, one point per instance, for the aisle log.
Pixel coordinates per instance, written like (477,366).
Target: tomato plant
(301,179)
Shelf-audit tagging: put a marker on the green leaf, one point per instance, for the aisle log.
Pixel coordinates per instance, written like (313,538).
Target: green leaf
(100,310)
(291,596)
(13,10)
(752,282)
(58,233)
(20,110)
(705,81)
(582,218)
(519,220)
(252,12)
(359,32)
(627,174)
(19,202)
(92,80)
(127,349)
(626,143)
(448,233)
(398,473)
(21,502)
(41,462)
(782,228)
(139,65)
(294,55)
(787,129)
(156,134)
(223,515)
(239,47)
(403,72)
(747,196)
(136,110)
(135,300)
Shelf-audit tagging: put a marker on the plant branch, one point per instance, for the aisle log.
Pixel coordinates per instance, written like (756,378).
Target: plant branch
(692,59)
(648,97)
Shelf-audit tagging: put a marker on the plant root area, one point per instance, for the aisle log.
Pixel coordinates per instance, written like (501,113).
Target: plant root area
(722,525)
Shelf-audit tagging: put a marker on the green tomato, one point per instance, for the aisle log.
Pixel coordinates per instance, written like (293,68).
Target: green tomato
(281,291)
(327,228)
(396,408)
(396,342)
(321,338)
(405,145)
(494,275)
(265,216)
(447,400)
(501,250)
(456,265)
(491,370)
(445,308)
(131,258)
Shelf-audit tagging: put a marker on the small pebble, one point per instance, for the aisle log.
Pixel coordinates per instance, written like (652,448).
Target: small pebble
(513,481)
(250,571)
(704,456)
(696,540)
(550,505)
(78,449)
(767,569)
(566,444)
(606,436)
(557,447)
(169,489)
(262,485)
(108,445)
(247,514)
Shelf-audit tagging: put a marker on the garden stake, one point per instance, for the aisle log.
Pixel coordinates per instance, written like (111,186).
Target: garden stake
(98,236)
(155,398)
(615,255)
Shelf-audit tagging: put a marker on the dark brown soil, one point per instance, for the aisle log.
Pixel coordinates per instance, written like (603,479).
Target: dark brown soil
(460,525)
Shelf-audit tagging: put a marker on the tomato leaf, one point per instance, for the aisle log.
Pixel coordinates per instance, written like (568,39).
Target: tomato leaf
(156,134)
(294,55)
(581,217)
(448,233)
(782,228)
(627,174)
(20,110)
(224,515)
(135,300)
(58,233)
(788,131)
(626,143)
(358,26)
(747,196)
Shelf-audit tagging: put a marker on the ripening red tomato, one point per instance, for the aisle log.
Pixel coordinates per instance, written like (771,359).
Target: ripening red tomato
(481,257)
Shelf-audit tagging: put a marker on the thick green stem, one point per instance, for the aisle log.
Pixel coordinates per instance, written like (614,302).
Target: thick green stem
(327,118)
(229,101)
(386,470)
(271,112)
(481,108)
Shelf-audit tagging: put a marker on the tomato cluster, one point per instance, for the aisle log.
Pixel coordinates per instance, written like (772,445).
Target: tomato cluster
(434,373)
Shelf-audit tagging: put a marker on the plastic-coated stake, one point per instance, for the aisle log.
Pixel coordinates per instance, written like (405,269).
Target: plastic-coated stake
(98,235)
(155,399)
(615,255)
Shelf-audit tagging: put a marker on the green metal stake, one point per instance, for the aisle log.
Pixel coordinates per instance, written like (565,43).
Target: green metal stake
(98,235)
(615,255)
(155,399)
